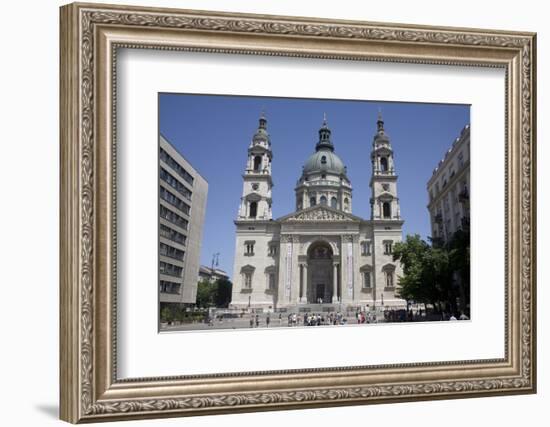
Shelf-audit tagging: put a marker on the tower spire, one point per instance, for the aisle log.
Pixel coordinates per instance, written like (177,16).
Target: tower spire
(257,181)
(262,136)
(263,120)
(384,200)
(380,121)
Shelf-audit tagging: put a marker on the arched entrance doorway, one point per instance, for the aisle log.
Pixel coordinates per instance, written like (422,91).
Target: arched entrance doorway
(319,268)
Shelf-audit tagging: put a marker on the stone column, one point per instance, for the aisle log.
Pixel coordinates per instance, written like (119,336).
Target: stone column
(303,298)
(335,283)
(301,295)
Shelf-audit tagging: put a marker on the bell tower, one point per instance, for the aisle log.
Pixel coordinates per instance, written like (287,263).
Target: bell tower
(384,201)
(257,181)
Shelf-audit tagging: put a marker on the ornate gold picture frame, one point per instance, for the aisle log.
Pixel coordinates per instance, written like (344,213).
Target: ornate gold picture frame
(90,388)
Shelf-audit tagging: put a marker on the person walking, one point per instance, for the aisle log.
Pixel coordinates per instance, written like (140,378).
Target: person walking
(267,320)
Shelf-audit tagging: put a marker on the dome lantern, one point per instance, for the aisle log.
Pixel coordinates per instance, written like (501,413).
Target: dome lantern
(324,137)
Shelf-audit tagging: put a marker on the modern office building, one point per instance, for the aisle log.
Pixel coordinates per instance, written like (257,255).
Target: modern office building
(449,190)
(182,204)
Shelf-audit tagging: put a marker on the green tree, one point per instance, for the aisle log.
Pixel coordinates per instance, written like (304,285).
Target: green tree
(438,274)
(459,253)
(222,296)
(214,294)
(166,315)
(205,294)
(427,277)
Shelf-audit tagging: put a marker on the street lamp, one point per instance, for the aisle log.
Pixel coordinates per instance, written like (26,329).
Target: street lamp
(215,260)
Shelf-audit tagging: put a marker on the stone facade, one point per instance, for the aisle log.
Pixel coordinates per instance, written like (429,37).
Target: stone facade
(182,199)
(449,190)
(321,253)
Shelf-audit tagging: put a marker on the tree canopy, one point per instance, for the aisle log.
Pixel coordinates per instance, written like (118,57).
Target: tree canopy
(214,294)
(430,271)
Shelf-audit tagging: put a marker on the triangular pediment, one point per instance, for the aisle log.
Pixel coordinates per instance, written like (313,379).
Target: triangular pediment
(319,213)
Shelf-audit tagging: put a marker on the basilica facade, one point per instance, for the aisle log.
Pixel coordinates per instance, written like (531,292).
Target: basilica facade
(321,253)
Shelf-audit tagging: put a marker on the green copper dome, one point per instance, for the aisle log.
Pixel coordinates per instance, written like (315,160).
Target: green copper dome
(324,161)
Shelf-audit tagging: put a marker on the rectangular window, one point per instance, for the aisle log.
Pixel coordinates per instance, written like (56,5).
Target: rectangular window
(173,217)
(365,248)
(174,200)
(366,279)
(248,280)
(271,281)
(272,250)
(249,248)
(388,247)
(169,287)
(170,269)
(168,178)
(166,158)
(171,252)
(389,279)
(171,234)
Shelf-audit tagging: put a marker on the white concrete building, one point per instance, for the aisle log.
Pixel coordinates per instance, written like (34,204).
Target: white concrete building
(449,190)
(182,204)
(212,274)
(322,253)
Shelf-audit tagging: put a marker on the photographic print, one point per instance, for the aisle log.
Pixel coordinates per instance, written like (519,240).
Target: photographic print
(282,212)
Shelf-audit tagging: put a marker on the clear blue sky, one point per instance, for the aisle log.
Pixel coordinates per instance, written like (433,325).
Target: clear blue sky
(213,133)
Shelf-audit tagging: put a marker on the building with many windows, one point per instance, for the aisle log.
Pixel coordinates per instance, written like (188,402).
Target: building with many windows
(182,204)
(320,254)
(449,190)
(212,274)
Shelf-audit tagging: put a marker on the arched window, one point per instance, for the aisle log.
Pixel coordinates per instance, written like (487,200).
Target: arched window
(253,209)
(333,203)
(323,160)
(312,201)
(323,200)
(383,164)
(257,163)
(386,210)
(346,204)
